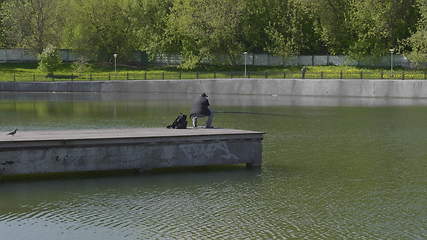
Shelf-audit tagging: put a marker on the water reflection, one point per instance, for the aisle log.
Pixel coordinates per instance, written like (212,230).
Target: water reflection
(220,100)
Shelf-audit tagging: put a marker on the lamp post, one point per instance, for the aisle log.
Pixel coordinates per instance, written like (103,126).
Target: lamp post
(115,62)
(245,53)
(391,60)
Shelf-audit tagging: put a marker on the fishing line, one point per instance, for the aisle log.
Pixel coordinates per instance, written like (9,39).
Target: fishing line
(255,113)
(202,88)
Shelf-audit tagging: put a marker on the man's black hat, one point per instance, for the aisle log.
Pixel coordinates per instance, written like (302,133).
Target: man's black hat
(204,95)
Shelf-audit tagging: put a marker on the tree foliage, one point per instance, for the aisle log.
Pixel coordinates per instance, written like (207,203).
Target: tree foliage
(199,29)
(49,60)
(150,27)
(290,28)
(333,24)
(418,41)
(3,41)
(31,24)
(101,28)
(202,30)
(378,25)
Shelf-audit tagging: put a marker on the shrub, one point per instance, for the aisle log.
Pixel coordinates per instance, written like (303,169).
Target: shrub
(49,60)
(81,65)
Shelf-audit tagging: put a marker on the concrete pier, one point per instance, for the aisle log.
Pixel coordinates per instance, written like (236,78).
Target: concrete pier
(39,152)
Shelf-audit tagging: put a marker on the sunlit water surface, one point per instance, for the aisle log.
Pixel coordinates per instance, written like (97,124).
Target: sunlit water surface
(334,168)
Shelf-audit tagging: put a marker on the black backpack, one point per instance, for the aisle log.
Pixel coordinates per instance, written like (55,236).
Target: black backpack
(180,122)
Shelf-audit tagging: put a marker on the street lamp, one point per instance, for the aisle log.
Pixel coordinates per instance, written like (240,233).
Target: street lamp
(245,53)
(115,62)
(391,60)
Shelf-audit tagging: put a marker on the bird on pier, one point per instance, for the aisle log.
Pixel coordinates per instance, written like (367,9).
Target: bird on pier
(13,132)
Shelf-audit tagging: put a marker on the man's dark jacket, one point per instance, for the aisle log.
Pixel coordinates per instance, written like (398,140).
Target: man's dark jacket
(200,107)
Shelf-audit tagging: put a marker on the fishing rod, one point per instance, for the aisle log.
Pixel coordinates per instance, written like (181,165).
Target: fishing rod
(255,113)
(203,89)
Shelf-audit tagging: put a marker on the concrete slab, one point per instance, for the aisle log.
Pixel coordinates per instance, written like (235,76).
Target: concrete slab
(82,134)
(38,152)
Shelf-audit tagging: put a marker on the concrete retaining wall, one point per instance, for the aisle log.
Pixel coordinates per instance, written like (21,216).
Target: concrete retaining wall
(41,152)
(288,87)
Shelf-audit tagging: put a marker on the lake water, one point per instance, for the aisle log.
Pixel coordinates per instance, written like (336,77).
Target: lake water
(334,168)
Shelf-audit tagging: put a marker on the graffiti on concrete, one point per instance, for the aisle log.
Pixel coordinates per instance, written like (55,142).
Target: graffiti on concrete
(218,150)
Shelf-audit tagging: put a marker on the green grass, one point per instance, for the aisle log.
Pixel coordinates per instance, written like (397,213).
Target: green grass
(29,72)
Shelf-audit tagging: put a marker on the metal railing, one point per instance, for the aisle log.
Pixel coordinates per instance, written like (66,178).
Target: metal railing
(32,77)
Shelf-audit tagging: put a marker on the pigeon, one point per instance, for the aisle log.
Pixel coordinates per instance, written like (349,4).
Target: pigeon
(13,132)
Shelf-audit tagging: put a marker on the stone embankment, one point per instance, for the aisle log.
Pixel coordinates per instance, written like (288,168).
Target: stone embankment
(287,87)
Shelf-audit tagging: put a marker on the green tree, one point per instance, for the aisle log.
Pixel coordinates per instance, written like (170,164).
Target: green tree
(49,60)
(290,28)
(333,25)
(254,18)
(378,25)
(200,29)
(100,28)
(279,27)
(418,41)
(31,23)
(3,41)
(150,27)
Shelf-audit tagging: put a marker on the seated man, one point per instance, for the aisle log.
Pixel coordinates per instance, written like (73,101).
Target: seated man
(201,109)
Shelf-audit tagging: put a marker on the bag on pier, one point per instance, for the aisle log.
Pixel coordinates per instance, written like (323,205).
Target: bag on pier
(180,122)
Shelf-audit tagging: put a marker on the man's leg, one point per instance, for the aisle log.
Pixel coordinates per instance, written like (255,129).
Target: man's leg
(194,120)
(210,119)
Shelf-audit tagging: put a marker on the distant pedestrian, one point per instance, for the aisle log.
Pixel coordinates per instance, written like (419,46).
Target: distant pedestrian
(303,71)
(201,109)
